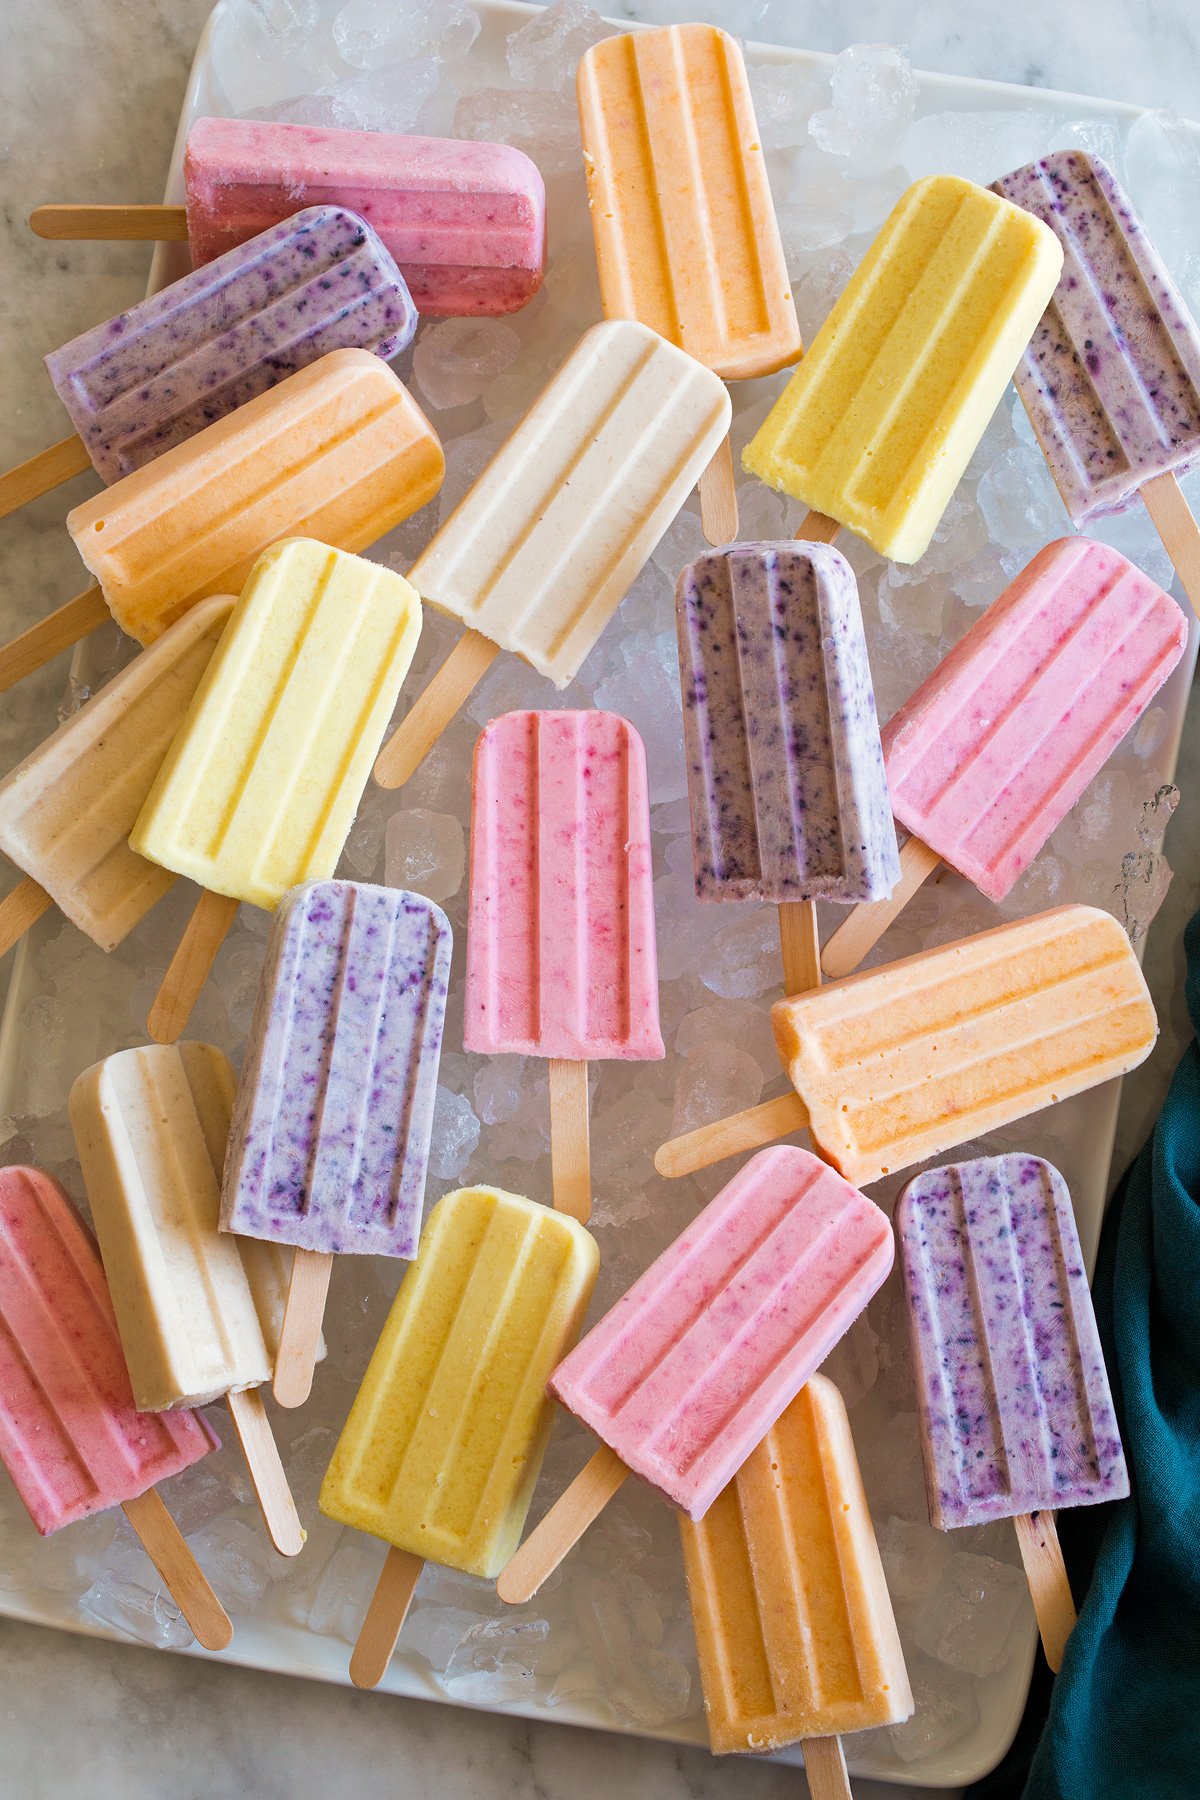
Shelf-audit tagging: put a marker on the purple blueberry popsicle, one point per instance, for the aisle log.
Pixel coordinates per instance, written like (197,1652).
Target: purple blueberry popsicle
(1012,1393)
(1111,378)
(157,374)
(331,1127)
(786,785)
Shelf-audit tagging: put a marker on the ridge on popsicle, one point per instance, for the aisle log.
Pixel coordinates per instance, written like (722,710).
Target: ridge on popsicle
(200,348)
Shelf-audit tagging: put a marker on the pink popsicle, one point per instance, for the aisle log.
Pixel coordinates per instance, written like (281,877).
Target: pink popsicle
(466,222)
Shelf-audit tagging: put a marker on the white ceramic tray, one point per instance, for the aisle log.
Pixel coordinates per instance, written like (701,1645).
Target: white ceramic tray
(275,1636)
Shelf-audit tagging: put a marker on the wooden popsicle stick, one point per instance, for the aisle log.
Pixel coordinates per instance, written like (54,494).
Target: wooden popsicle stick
(800,945)
(718,497)
(570,1152)
(190,964)
(825,1766)
(298,1340)
(385,1617)
(20,909)
(818,528)
(164,1545)
(1176,526)
(58,632)
(266,1471)
(562,1527)
(425,722)
(114,224)
(41,473)
(741,1131)
(1037,1535)
(866,924)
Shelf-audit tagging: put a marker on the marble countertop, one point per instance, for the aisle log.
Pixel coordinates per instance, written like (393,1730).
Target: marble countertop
(89,97)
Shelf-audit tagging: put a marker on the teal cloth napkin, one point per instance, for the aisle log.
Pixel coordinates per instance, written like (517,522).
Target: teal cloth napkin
(1122,1718)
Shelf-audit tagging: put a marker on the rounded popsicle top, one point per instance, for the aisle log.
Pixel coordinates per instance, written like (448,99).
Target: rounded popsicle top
(1012,1390)
(561,949)
(884,412)
(996,746)
(686,235)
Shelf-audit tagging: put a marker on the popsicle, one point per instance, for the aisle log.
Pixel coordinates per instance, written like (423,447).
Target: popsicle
(196,1321)
(442,1449)
(878,424)
(686,236)
(70,1436)
(337,451)
(67,810)
(692,1367)
(786,787)
(1111,378)
(539,554)
(994,749)
(155,375)
(330,1135)
(561,953)
(794,1626)
(901,1063)
(264,776)
(466,222)
(1016,1415)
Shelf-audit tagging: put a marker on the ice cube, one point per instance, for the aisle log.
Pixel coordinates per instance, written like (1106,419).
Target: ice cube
(235,1562)
(130,1594)
(892,1470)
(544,125)
(546,52)
(736,1022)
(346,1588)
(874,97)
(966,1620)
(370,35)
(624,1138)
(494,1663)
(785,97)
(435,1632)
(716,1081)
(915,1558)
(744,958)
(455,1135)
(457,359)
(945,1710)
(425,852)
(980,145)
(1020,502)
(647,696)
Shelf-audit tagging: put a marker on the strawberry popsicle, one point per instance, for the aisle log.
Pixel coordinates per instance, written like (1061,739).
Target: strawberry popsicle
(70,1436)
(786,786)
(686,236)
(693,1366)
(794,1626)
(561,954)
(466,222)
(540,553)
(337,451)
(67,810)
(1016,1413)
(994,749)
(329,1140)
(903,1062)
(877,425)
(197,1320)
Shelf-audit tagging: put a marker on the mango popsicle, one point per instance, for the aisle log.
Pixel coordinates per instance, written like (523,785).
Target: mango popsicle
(686,236)
(692,1367)
(262,781)
(793,1621)
(188,355)
(70,1435)
(1016,1415)
(538,555)
(329,1141)
(441,1452)
(786,787)
(877,425)
(337,451)
(561,952)
(66,812)
(996,746)
(197,1322)
(900,1063)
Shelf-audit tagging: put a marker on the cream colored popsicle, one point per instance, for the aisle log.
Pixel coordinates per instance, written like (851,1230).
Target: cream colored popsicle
(877,425)
(897,1064)
(67,810)
(338,452)
(261,784)
(196,1321)
(794,1625)
(442,1449)
(686,235)
(538,556)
